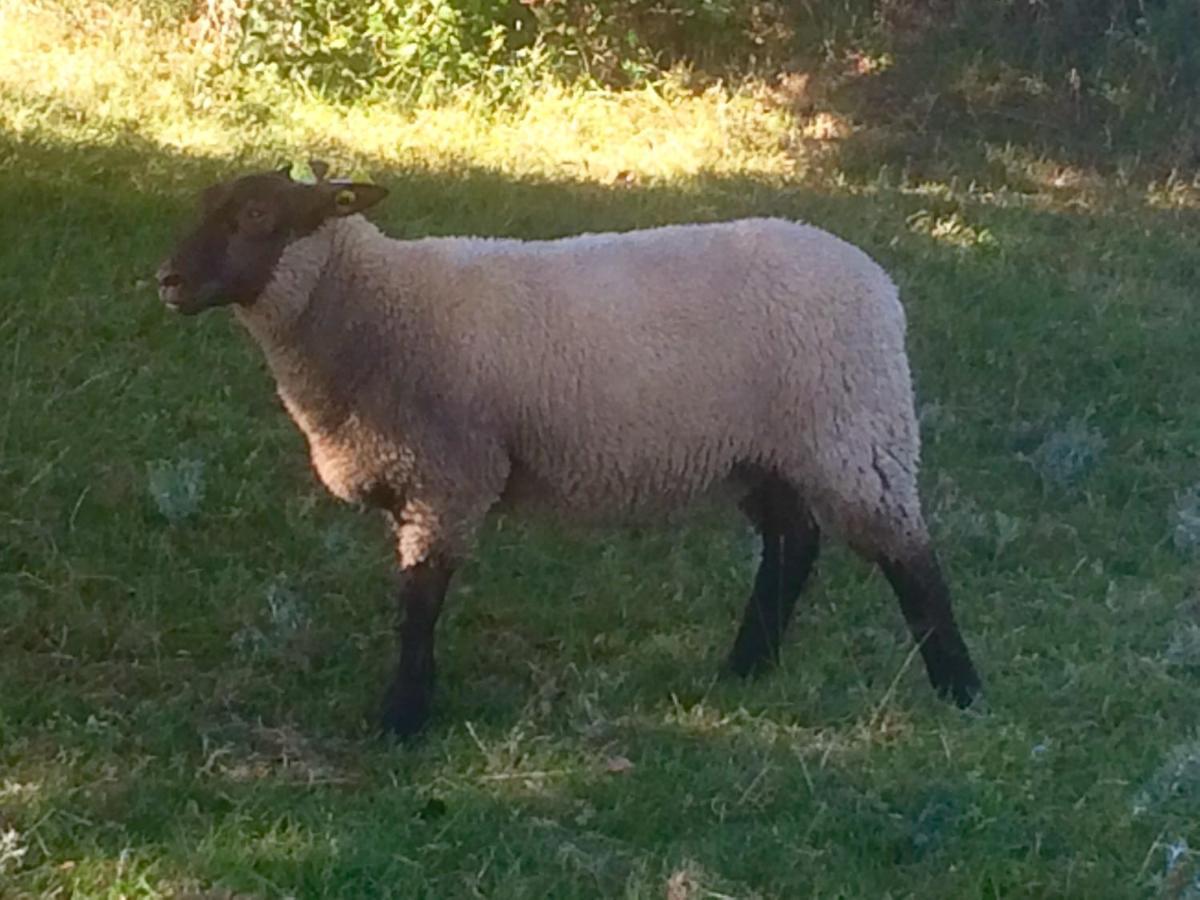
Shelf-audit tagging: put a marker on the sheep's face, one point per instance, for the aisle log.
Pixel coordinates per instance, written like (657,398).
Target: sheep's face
(244,227)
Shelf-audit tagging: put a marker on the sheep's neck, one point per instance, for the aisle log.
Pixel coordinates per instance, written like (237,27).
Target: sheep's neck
(322,354)
(281,323)
(310,398)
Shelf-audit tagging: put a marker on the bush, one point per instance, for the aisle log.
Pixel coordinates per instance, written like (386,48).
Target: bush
(627,41)
(421,49)
(1107,75)
(345,48)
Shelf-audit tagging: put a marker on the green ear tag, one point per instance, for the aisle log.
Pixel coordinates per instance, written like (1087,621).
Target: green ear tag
(303,173)
(344,197)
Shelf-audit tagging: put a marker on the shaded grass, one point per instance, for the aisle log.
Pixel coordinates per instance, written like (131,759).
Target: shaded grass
(186,705)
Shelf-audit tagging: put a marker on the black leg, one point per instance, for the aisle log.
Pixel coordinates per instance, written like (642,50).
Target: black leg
(791,542)
(925,602)
(406,706)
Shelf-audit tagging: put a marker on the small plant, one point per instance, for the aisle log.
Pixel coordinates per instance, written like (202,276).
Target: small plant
(1178,777)
(988,531)
(285,617)
(1184,648)
(1068,454)
(1180,879)
(285,609)
(12,850)
(1185,535)
(177,487)
(951,229)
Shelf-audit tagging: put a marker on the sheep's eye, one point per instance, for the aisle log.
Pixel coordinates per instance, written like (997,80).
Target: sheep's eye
(255,218)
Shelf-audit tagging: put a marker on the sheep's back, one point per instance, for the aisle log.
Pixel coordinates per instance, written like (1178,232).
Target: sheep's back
(634,372)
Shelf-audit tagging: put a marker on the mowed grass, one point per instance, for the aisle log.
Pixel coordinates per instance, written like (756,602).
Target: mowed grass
(193,637)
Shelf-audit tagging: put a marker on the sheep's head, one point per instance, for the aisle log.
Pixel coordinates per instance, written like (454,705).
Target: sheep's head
(244,227)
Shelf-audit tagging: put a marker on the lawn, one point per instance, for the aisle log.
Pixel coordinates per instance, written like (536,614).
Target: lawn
(194,637)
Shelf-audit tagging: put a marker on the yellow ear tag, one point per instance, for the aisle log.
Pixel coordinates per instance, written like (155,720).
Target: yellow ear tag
(344,197)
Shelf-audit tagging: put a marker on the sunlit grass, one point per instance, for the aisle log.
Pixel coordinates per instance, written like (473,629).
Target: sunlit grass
(114,74)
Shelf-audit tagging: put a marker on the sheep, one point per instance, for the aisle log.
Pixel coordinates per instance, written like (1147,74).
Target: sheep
(604,377)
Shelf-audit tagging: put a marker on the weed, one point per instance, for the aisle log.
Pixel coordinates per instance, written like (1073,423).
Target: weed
(12,850)
(1184,649)
(176,487)
(1176,782)
(1185,532)
(1068,454)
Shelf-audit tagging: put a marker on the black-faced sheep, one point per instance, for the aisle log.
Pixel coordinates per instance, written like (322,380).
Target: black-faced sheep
(604,376)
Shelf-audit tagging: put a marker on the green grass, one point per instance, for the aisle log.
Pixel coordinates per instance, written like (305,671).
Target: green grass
(185,698)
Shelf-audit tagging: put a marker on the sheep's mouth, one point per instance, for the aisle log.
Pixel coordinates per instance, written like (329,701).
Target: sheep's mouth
(176,297)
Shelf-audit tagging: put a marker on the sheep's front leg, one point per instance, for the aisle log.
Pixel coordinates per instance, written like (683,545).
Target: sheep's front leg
(434,532)
(790,543)
(406,707)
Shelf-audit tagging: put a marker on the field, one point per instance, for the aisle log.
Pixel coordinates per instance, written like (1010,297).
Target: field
(193,636)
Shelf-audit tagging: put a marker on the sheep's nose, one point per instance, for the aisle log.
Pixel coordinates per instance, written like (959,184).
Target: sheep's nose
(167,276)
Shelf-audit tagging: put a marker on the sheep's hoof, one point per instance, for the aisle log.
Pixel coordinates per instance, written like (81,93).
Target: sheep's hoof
(963,689)
(966,695)
(405,712)
(747,665)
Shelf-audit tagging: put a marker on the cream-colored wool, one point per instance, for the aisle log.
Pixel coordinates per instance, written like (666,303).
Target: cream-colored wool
(603,376)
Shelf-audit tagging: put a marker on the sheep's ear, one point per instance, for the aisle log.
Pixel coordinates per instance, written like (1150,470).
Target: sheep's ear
(320,168)
(350,197)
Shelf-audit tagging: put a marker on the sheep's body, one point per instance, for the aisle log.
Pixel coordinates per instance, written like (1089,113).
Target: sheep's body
(602,376)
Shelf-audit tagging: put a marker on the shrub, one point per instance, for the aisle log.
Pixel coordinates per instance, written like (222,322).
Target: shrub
(1060,72)
(344,48)
(420,49)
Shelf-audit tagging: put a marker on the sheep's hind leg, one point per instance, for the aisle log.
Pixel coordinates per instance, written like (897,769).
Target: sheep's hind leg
(925,601)
(869,497)
(790,543)
(406,707)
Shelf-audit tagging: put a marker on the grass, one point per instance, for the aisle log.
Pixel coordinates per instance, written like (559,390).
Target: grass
(194,635)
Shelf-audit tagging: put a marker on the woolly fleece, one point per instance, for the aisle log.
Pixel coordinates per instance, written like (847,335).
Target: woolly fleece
(604,376)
